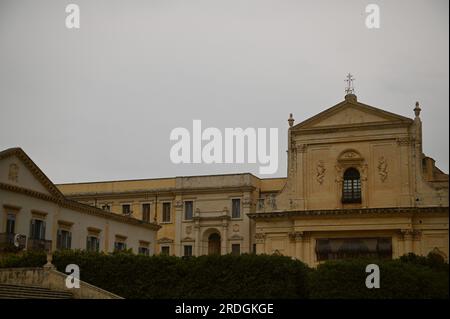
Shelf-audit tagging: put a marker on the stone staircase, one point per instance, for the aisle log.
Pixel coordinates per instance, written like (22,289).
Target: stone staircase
(8,291)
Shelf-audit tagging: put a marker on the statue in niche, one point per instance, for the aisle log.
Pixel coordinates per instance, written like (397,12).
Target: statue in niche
(382,168)
(320,172)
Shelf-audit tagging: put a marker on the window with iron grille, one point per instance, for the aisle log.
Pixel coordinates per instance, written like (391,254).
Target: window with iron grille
(347,248)
(126,209)
(351,187)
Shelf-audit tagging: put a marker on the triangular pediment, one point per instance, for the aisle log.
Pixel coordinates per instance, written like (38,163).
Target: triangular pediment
(18,171)
(350,113)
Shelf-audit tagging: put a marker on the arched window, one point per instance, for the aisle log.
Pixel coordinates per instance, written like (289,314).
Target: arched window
(351,188)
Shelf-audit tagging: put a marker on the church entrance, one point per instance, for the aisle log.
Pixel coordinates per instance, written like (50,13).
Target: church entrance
(214,244)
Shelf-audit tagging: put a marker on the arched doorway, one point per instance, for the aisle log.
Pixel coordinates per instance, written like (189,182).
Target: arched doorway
(214,244)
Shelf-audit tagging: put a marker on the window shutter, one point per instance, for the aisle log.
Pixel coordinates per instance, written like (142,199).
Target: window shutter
(32,229)
(97,244)
(58,239)
(43,231)
(69,244)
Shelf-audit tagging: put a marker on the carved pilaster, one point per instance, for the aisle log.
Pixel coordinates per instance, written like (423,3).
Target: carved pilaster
(339,174)
(416,235)
(260,238)
(179,204)
(247,202)
(406,234)
(296,235)
(404,141)
(301,148)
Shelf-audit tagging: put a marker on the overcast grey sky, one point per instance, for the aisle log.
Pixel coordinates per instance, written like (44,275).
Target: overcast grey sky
(98,103)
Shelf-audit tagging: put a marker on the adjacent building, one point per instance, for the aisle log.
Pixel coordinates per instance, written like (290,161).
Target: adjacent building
(35,215)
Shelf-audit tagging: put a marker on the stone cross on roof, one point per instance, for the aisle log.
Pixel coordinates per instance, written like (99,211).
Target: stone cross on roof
(349,89)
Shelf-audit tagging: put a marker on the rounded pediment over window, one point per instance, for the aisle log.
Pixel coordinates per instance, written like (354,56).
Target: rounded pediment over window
(350,156)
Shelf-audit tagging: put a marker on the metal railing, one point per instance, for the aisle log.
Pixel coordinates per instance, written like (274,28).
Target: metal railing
(39,244)
(6,241)
(12,241)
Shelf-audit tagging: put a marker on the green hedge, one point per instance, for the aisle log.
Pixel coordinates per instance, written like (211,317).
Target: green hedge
(399,279)
(138,276)
(247,276)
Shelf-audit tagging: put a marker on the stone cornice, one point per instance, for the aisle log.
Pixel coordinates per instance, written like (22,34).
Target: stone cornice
(351,212)
(350,127)
(67,203)
(34,169)
(159,192)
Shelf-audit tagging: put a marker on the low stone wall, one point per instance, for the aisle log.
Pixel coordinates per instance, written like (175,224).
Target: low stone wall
(52,279)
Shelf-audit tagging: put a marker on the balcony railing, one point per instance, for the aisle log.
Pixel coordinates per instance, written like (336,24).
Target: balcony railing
(6,241)
(12,242)
(39,244)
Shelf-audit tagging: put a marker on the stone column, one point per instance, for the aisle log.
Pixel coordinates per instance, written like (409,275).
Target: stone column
(407,189)
(301,174)
(306,256)
(177,218)
(247,205)
(224,238)
(197,243)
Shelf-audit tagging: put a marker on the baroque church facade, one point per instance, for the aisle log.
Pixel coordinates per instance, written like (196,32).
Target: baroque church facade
(358,184)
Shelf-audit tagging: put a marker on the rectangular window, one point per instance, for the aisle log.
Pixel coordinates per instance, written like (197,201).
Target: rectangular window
(236,249)
(37,229)
(126,209)
(166,213)
(146,212)
(120,246)
(165,250)
(187,251)
(188,210)
(344,248)
(10,224)
(144,251)
(106,207)
(63,239)
(93,244)
(254,248)
(236,208)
